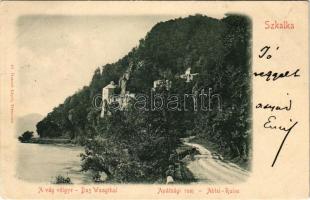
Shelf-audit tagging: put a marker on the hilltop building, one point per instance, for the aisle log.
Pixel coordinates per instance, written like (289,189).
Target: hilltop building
(109,97)
(162,83)
(188,76)
(107,93)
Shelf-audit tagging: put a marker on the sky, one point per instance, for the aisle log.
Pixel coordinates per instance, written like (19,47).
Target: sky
(57,55)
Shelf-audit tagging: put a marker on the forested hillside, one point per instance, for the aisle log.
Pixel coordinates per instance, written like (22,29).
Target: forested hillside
(137,145)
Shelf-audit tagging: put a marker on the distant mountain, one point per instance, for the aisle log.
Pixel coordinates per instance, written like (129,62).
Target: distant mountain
(28,123)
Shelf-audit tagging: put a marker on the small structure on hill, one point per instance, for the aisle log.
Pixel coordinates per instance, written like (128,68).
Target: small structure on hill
(162,84)
(107,93)
(188,76)
(109,97)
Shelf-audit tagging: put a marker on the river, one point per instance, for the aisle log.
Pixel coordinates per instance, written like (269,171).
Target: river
(43,162)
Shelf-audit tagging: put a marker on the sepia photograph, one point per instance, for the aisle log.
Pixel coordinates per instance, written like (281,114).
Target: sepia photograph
(142,99)
(154,100)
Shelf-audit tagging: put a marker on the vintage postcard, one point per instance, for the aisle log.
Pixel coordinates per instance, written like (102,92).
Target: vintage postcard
(154,100)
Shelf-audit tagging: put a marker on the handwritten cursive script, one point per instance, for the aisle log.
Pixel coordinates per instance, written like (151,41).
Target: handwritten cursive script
(287,129)
(270,75)
(274,107)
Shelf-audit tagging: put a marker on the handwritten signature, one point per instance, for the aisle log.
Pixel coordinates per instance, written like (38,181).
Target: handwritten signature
(287,129)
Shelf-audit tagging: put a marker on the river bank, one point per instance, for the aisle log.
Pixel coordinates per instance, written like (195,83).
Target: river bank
(62,157)
(38,140)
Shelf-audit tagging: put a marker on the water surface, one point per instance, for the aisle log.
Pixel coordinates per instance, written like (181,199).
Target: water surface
(43,162)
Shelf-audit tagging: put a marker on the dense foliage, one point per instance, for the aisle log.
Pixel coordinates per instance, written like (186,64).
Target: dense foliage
(137,145)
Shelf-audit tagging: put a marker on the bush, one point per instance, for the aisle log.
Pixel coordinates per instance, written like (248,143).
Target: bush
(26,136)
(62,180)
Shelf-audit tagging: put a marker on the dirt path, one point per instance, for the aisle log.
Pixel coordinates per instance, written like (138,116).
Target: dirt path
(207,169)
